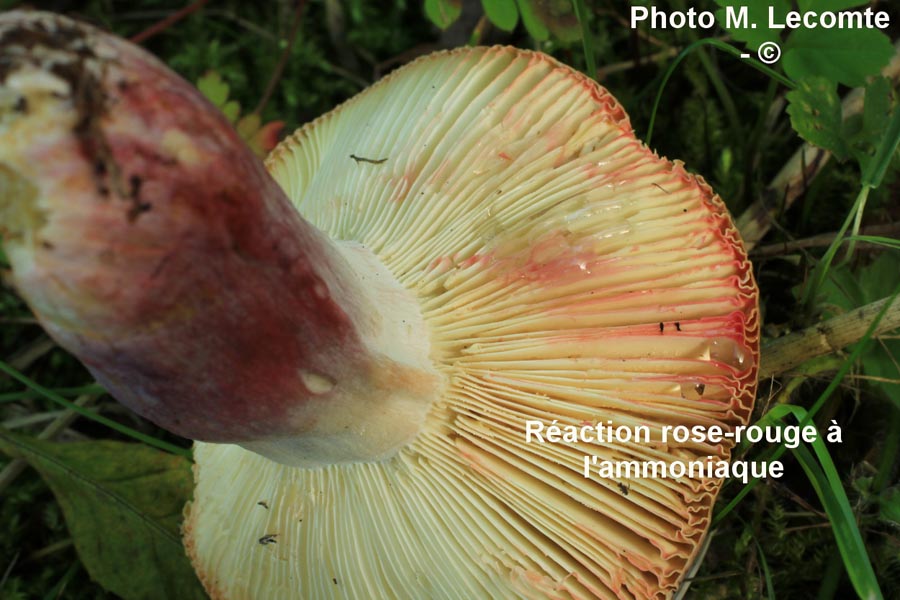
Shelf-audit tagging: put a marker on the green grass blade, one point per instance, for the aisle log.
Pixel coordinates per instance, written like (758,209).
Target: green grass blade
(586,40)
(889,451)
(721,46)
(857,223)
(825,480)
(824,265)
(60,587)
(767,573)
(93,389)
(857,352)
(778,451)
(123,429)
(892,243)
(831,579)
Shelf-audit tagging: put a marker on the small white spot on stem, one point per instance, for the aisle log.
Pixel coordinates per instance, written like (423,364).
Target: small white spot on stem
(320,290)
(316,383)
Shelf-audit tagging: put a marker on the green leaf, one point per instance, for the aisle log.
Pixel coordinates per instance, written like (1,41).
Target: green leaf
(212,86)
(232,111)
(845,290)
(877,167)
(443,13)
(889,505)
(880,278)
(534,25)
(881,361)
(865,132)
(877,107)
(883,357)
(502,13)
(248,125)
(841,290)
(845,56)
(123,505)
(767,573)
(545,17)
(823,476)
(587,40)
(758,15)
(825,480)
(815,111)
(559,17)
(356,11)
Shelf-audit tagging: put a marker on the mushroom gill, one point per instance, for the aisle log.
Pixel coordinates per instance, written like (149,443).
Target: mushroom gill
(566,274)
(362,334)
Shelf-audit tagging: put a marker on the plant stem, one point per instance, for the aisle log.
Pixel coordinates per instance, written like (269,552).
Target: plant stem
(481,28)
(888,450)
(51,549)
(790,183)
(60,587)
(824,266)
(11,471)
(30,419)
(168,21)
(716,80)
(725,98)
(779,450)
(26,356)
(686,52)
(817,241)
(282,60)
(752,154)
(124,430)
(857,222)
(625,65)
(785,353)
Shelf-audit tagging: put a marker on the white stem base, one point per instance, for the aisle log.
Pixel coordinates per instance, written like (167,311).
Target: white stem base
(371,415)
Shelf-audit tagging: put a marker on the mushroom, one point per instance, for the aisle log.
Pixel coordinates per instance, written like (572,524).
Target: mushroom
(484,245)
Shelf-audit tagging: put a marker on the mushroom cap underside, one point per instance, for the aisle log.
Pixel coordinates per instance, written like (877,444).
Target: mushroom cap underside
(567,275)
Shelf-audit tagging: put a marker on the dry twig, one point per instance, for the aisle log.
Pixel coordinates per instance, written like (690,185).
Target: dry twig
(785,353)
(168,21)
(17,465)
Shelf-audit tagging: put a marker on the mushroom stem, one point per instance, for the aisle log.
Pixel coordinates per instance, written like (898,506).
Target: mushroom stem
(153,245)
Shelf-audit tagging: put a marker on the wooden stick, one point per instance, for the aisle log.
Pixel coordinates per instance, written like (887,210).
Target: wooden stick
(785,353)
